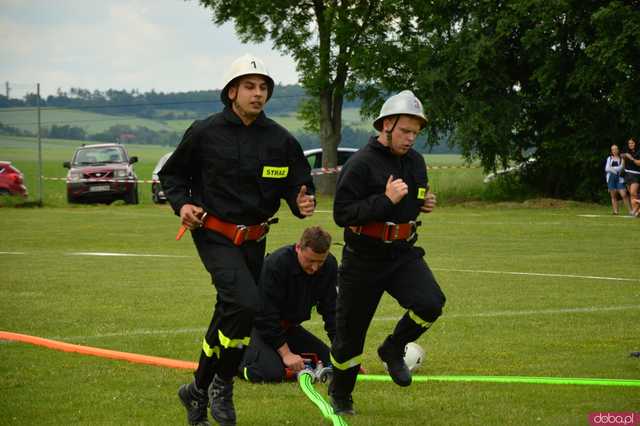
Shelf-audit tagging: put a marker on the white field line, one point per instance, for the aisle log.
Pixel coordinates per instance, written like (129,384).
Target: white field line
(537,274)
(201,330)
(622,216)
(90,253)
(472,271)
(121,254)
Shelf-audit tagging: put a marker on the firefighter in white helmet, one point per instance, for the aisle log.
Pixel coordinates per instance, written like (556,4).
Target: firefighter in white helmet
(381,191)
(225,180)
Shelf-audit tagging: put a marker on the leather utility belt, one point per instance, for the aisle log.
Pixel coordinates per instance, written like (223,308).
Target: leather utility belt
(238,234)
(388,231)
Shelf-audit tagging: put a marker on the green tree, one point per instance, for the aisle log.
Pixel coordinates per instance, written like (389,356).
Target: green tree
(509,79)
(327,39)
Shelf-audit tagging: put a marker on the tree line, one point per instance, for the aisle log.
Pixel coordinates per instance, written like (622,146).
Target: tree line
(124,133)
(169,106)
(155,105)
(505,79)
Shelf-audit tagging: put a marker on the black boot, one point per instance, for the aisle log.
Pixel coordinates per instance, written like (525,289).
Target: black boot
(393,356)
(342,406)
(340,388)
(221,398)
(195,401)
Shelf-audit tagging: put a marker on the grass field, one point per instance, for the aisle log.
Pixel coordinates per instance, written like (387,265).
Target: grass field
(559,316)
(539,288)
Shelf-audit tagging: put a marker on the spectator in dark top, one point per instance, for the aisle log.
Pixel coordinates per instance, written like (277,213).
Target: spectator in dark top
(294,280)
(615,182)
(631,159)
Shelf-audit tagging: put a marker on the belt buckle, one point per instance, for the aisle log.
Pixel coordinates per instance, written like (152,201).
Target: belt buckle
(390,232)
(414,229)
(265,230)
(241,235)
(266,226)
(203,219)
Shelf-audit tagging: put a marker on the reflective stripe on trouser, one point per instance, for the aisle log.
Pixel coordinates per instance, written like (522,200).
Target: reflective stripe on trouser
(225,342)
(350,363)
(422,323)
(222,353)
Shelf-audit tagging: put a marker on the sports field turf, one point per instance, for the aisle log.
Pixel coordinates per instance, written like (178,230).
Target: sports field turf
(542,289)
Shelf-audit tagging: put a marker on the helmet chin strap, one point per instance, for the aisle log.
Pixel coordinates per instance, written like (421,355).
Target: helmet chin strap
(388,132)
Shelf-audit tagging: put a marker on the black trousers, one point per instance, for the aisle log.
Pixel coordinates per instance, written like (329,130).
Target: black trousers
(262,363)
(234,271)
(361,283)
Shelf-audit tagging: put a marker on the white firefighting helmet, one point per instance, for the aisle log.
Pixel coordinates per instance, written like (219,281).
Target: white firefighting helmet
(413,357)
(404,103)
(245,65)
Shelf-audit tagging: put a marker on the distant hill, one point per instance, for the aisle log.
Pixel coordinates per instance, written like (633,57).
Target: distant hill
(160,118)
(154,104)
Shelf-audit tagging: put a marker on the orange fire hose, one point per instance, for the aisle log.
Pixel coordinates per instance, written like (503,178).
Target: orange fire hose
(103,353)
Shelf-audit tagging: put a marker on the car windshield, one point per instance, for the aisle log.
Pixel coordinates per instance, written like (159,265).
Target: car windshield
(99,156)
(161,162)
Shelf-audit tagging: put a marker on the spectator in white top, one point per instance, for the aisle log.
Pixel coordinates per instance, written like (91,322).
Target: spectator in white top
(615,181)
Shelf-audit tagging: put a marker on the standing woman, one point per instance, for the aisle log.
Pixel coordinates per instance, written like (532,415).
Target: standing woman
(631,160)
(615,182)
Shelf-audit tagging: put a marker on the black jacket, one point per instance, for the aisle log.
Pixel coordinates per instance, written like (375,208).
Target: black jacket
(235,172)
(289,294)
(630,165)
(360,194)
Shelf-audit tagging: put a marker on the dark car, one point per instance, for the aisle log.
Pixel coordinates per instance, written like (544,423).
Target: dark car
(101,173)
(314,157)
(157,194)
(11,180)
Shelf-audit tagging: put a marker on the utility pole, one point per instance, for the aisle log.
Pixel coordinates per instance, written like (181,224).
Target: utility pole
(6,86)
(39,150)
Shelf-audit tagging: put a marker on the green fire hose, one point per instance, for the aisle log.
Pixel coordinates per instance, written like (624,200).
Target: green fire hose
(306,379)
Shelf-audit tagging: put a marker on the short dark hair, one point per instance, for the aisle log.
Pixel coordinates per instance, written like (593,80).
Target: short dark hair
(316,238)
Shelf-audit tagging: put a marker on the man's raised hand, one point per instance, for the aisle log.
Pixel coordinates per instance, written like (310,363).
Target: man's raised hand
(306,202)
(396,189)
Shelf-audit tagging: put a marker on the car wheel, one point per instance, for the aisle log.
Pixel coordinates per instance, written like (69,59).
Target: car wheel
(72,200)
(4,191)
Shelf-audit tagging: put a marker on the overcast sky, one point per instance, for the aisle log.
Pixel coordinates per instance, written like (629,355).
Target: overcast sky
(166,45)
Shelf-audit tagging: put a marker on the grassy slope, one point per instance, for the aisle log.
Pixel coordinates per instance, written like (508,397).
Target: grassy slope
(494,324)
(26,119)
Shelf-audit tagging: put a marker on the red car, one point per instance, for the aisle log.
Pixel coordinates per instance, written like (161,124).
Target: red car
(101,173)
(11,180)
